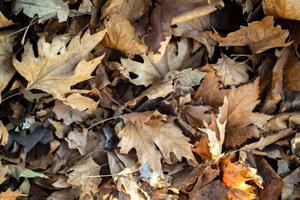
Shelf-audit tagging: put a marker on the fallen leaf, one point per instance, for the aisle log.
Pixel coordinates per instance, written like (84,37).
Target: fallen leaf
(150,71)
(121,35)
(84,174)
(216,131)
(290,182)
(77,140)
(149,134)
(4,22)
(296,144)
(44,9)
(242,122)
(67,114)
(258,35)
(131,9)
(20,172)
(6,68)
(3,134)
(81,103)
(236,175)
(290,73)
(57,64)
(287,9)
(11,195)
(230,71)
(214,190)
(195,115)
(3,171)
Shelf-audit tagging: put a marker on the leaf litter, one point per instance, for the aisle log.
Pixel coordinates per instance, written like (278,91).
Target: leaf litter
(149,99)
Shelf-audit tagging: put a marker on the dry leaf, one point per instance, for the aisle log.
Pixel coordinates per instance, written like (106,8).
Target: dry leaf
(258,35)
(195,115)
(291,73)
(84,174)
(3,171)
(242,123)
(230,71)
(216,131)
(150,71)
(149,134)
(6,68)
(121,35)
(59,65)
(3,134)
(287,9)
(131,9)
(11,195)
(67,114)
(4,21)
(235,176)
(77,140)
(81,103)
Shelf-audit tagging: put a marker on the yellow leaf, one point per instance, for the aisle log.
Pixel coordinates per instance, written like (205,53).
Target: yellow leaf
(258,35)
(287,9)
(11,195)
(58,67)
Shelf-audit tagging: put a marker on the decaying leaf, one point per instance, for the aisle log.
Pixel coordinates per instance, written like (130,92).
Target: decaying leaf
(59,65)
(45,9)
(11,195)
(149,134)
(230,71)
(258,35)
(84,174)
(152,70)
(235,176)
(216,131)
(242,122)
(121,35)
(287,9)
(6,67)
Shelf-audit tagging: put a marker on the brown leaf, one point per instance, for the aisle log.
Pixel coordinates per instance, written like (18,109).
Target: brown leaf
(67,114)
(290,73)
(59,65)
(290,182)
(121,35)
(4,21)
(11,195)
(230,71)
(81,103)
(215,190)
(84,174)
(287,9)
(195,115)
(3,134)
(149,134)
(258,35)
(242,123)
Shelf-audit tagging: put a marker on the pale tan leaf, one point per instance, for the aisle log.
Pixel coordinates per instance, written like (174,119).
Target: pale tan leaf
(67,114)
(3,134)
(81,103)
(258,35)
(287,9)
(4,21)
(11,195)
(121,35)
(77,140)
(6,68)
(131,9)
(149,71)
(3,171)
(230,71)
(149,134)
(57,64)
(242,123)
(84,174)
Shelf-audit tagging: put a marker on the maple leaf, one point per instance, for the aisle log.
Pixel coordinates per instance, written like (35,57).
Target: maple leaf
(152,70)
(287,9)
(216,131)
(230,71)
(149,134)
(59,65)
(84,174)
(235,176)
(45,9)
(6,68)
(242,123)
(121,35)
(258,35)
(11,195)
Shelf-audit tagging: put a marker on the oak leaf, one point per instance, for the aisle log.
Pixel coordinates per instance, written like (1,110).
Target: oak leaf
(287,9)
(81,103)
(230,71)
(242,122)
(258,35)
(235,176)
(153,138)
(6,68)
(59,65)
(121,35)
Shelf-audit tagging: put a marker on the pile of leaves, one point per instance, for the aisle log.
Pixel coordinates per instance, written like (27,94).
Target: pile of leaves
(149,99)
